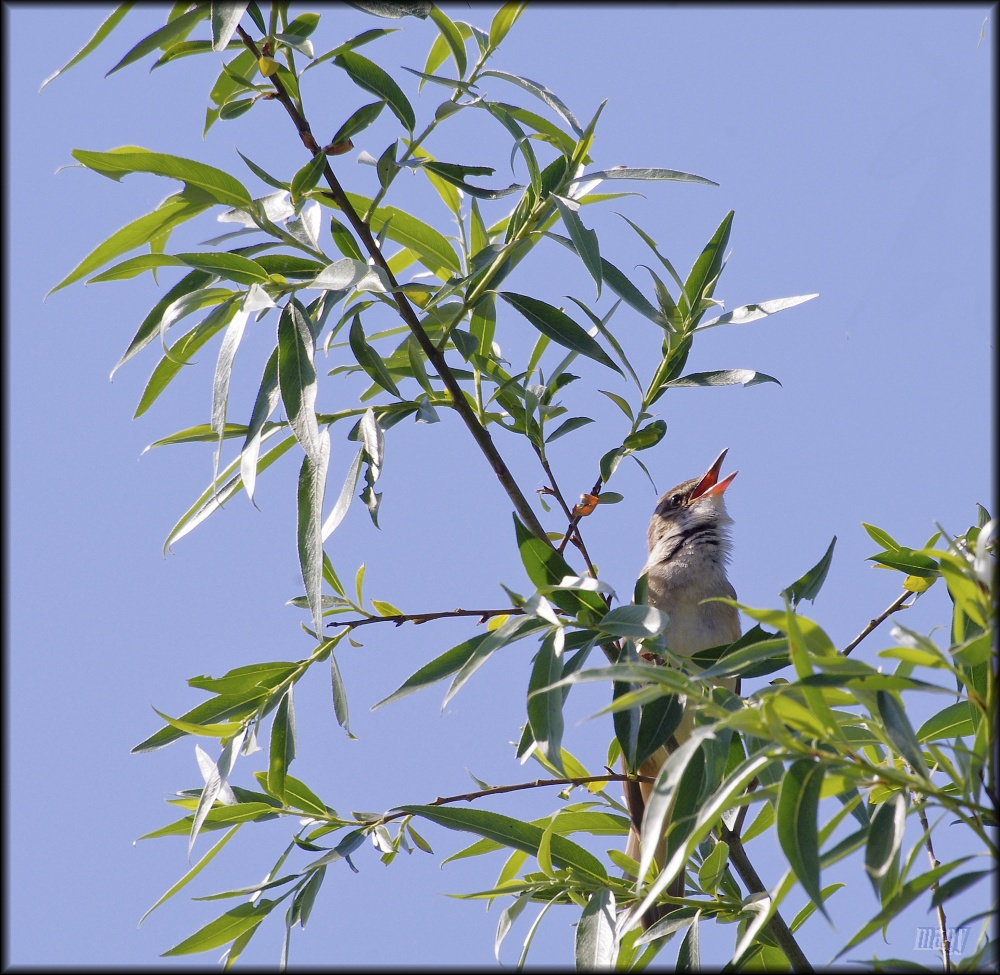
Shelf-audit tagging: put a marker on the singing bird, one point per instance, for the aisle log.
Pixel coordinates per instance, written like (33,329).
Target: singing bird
(689,548)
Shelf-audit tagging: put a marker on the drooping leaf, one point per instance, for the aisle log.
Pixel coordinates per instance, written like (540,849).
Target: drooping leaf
(311,491)
(798,802)
(545,705)
(369,359)
(594,949)
(297,376)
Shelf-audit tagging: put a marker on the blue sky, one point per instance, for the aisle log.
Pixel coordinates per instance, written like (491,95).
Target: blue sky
(853,143)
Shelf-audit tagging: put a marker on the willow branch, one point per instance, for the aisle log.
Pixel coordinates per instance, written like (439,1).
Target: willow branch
(434,355)
(897,604)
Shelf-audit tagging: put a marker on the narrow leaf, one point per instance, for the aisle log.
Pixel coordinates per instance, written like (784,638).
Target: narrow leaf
(369,76)
(559,327)
(798,802)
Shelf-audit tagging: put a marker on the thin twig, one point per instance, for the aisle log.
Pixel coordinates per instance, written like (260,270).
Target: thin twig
(918,802)
(573,530)
(417,618)
(434,355)
(517,787)
(897,604)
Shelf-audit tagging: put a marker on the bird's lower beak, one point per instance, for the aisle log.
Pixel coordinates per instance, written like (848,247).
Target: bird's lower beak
(710,483)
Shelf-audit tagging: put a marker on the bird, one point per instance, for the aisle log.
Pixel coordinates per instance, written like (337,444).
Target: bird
(689,549)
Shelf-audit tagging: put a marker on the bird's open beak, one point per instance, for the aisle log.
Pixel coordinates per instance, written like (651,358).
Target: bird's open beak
(710,483)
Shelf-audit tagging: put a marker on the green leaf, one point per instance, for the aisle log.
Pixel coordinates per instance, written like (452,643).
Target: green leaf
(513,833)
(225,928)
(701,282)
(881,537)
(649,436)
(584,240)
(219,185)
(452,37)
(658,722)
(455,175)
(308,176)
(722,377)
(954,721)
(369,359)
(297,377)
(176,29)
(195,870)
(370,77)
(521,141)
(809,585)
(568,426)
(430,246)
(358,122)
(440,667)
(282,748)
(99,36)
(899,731)
(558,326)
(546,567)
(619,284)
(503,20)
(235,267)
(798,802)
(143,230)
(177,356)
(545,705)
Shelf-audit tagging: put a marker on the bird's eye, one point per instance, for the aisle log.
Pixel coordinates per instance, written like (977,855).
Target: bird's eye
(675,500)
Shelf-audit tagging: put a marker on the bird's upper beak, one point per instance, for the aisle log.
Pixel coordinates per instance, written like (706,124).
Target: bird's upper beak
(710,483)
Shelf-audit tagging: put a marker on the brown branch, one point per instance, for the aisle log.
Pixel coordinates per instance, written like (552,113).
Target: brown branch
(897,604)
(417,618)
(434,355)
(782,933)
